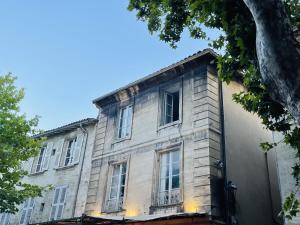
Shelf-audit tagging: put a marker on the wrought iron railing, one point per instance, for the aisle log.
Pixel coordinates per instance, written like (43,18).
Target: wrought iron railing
(113,205)
(169,197)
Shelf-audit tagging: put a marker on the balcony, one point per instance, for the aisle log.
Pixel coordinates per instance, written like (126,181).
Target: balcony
(171,197)
(114,205)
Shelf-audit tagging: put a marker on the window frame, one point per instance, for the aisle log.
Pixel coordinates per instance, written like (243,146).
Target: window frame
(42,157)
(128,124)
(159,152)
(109,186)
(71,149)
(164,90)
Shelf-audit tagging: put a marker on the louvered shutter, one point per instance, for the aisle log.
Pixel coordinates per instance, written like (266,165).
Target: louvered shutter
(4,218)
(26,211)
(58,203)
(61,204)
(59,152)
(77,149)
(54,204)
(47,155)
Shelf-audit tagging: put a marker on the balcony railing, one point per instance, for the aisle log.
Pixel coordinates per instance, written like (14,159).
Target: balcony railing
(114,205)
(168,197)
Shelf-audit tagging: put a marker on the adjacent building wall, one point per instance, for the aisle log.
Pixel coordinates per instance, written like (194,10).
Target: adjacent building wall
(247,165)
(286,158)
(61,176)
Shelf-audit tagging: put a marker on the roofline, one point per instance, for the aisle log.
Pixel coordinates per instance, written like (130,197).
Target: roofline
(202,53)
(68,127)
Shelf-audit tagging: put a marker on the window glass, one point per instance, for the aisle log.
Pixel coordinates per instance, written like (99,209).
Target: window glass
(125,122)
(117,188)
(169,183)
(170,107)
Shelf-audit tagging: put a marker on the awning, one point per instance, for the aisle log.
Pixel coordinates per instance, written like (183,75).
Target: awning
(180,218)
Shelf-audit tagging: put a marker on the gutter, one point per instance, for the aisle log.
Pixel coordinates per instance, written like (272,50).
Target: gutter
(223,149)
(86,135)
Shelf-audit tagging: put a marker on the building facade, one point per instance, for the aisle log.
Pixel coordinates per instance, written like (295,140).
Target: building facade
(285,159)
(64,163)
(175,142)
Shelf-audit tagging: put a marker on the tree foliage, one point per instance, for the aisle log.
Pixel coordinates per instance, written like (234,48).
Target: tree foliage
(239,62)
(16,146)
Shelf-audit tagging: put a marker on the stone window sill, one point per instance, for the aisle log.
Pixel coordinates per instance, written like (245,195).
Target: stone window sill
(66,167)
(173,124)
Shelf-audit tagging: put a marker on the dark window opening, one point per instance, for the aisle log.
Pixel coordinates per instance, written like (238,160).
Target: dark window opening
(171,107)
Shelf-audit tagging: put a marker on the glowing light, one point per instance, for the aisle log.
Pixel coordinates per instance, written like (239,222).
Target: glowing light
(191,206)
(131,211)
(95,213)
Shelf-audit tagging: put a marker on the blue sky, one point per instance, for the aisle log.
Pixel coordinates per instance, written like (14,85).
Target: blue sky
(66,53)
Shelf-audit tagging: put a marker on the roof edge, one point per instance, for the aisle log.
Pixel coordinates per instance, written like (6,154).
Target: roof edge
(67,127)
(207,51)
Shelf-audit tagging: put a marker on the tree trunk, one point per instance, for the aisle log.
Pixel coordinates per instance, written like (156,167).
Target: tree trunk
(278,53)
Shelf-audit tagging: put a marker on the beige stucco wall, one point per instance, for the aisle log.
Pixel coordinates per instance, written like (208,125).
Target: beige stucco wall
(194,135)
(58,177)
(247,165)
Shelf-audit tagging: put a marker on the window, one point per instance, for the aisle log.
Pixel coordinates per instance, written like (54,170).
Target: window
(40,159)
(58,203)
(70,150)
(125,122)
(4,218)
(41,162)
(170,107)
(26,211)
(169,178)
(42,207)
(117,188)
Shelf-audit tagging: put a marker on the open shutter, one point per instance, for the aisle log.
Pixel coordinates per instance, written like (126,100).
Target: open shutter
(78,148)
(7,218)
(47,155)
(31,162)
(59,152)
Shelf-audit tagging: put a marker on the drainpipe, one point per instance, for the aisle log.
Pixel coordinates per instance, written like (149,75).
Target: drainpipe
(86,135)
(223,149)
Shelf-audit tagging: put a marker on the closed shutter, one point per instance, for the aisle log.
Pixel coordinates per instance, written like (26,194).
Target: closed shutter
(27,211)
(77,148)
(58,203)
(4,218)
(47,155)
(59,152)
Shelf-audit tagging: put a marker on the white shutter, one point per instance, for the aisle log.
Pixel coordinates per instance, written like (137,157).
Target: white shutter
(77,148)
(4,218)
(26,211)
(58,203)
(47,154)
(58,152)
(31,162)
